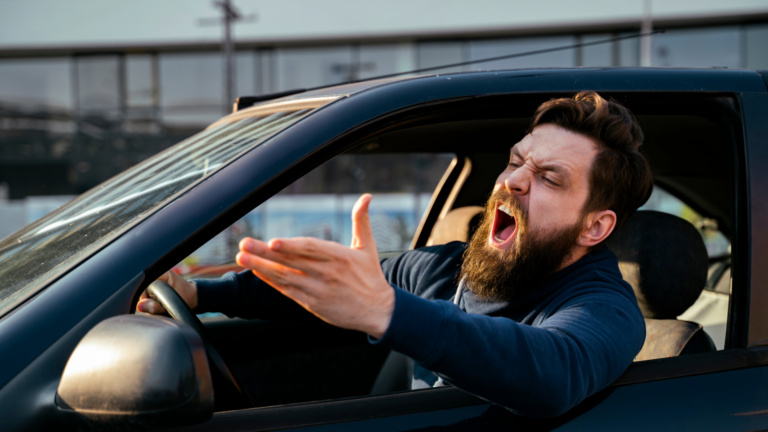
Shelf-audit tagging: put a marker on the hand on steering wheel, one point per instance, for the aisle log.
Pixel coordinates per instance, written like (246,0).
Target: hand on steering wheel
(186,289)
(229,394)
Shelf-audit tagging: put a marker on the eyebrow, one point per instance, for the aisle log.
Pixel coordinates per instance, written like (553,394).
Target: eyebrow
(557,169)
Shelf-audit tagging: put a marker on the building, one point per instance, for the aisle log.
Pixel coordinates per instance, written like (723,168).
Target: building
(89,88)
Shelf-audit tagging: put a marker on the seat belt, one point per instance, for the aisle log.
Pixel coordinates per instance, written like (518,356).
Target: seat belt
(458,292)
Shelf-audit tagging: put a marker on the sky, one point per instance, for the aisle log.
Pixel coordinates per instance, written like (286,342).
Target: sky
(94,23)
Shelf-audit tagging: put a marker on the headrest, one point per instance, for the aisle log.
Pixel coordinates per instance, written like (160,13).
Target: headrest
(667,338)
(665,260)
(457,225)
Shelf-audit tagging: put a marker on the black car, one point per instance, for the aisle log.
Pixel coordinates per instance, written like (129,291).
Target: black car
(82,268)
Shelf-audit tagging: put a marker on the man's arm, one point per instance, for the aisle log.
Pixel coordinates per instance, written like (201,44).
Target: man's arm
(243,295)
(537,371)
(583,344)
(540,370)
(237,295)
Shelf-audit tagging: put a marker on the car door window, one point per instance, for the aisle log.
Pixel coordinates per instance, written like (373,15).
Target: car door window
(320,203)
(289,366)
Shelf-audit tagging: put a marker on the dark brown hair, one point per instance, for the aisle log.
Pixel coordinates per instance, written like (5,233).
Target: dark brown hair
(620,179)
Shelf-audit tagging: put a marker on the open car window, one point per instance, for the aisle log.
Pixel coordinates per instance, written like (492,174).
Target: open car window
(301,361)
(320,205)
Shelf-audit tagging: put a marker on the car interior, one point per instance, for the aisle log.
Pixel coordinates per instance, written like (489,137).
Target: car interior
(682,283)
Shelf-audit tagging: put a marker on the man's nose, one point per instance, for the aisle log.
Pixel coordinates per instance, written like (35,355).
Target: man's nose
(518,181)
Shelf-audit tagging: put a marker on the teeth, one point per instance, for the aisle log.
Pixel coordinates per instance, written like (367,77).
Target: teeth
(506,210)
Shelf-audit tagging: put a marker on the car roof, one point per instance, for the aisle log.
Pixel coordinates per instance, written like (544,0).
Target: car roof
(556,80)
(575,79)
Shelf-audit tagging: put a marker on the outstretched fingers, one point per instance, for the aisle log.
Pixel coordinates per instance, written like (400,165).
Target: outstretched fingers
(291,248)
(289,281)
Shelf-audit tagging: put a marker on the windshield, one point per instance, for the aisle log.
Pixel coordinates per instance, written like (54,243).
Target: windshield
(42,251)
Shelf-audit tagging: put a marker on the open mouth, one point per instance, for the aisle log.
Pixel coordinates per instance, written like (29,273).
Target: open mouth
(504,226)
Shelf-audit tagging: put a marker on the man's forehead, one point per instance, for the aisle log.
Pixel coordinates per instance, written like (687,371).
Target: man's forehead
(556,146)
(549,135)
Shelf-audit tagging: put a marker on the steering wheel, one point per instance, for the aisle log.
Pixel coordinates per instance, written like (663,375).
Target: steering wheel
(228,392)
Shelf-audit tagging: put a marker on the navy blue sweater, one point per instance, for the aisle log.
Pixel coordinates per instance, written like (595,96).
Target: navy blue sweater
(537,356)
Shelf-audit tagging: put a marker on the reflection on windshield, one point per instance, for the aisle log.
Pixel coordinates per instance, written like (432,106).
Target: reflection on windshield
(45,249)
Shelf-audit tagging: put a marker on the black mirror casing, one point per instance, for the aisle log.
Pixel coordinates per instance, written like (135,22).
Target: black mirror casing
(134,371)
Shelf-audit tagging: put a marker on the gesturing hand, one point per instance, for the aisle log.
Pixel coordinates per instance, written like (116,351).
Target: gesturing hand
(344,286)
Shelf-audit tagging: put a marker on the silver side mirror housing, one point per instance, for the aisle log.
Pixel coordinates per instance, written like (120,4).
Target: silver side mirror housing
(134,371)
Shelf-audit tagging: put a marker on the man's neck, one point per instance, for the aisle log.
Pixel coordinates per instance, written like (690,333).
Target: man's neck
(578,253)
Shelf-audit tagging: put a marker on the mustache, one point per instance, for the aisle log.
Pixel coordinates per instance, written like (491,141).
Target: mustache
(508,275)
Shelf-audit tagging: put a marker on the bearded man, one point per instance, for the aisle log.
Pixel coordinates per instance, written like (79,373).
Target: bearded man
(532,315)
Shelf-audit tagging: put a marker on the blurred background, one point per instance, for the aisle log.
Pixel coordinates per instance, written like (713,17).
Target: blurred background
(89,88)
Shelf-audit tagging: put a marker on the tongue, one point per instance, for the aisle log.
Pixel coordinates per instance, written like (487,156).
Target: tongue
(507,232)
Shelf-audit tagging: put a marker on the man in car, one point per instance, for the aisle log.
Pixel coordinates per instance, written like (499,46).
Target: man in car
(532,314)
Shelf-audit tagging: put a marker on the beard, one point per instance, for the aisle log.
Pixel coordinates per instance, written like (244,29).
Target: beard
(494,274)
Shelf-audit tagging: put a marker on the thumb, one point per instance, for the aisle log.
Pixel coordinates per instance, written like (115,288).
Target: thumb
(362,235)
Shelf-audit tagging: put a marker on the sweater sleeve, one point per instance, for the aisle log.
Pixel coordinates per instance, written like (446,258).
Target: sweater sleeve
(243,295)
(539,371)
(430,272)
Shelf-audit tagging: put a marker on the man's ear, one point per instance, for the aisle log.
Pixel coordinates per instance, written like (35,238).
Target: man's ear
(599,225)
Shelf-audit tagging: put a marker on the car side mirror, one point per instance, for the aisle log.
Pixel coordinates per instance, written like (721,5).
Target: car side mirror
(134,371)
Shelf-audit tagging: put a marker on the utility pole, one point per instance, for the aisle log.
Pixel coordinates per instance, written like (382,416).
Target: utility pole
(231,16)
(645,28)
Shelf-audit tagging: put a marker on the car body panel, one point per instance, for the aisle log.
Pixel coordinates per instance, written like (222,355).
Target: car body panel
(731,400)
(755,107)
(26,402)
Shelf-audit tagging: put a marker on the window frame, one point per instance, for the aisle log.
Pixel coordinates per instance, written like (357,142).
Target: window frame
(736,355)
